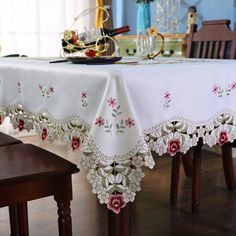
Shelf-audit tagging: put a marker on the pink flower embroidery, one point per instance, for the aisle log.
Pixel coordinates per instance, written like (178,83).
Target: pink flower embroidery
(215,89)
(44,134)
(83,95)
(111,102)
(233,85)
(223,138)
(167,95)
(129,122)
(173,146)
(116,202)
(51,89)
(99,121)
(75,144)
(21,125)
(40,87)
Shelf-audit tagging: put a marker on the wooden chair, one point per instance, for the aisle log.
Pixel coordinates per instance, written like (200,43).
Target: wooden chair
(28,172)
(217,41)
(6,140)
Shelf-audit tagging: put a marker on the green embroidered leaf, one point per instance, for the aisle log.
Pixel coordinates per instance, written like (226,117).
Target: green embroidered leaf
(111,179)
(111,188)
(105,183)
(118,107)
(101,172)
(120,188)
(119,178)
(108,169)
(119,168)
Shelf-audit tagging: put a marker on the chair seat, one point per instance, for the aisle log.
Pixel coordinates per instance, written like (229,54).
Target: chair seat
(26,162)
(8,140)
(28,172)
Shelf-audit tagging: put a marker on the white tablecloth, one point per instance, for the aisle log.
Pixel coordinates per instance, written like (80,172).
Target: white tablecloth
(116,114)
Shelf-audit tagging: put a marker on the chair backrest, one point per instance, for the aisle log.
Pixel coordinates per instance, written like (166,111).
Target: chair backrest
(214,40)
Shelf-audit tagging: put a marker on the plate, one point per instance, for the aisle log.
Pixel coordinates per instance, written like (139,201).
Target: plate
(93,60)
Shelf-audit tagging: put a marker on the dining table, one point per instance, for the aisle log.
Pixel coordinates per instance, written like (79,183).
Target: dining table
(115,114)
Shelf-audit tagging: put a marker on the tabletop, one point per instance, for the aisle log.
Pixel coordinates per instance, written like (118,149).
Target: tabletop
(115,115)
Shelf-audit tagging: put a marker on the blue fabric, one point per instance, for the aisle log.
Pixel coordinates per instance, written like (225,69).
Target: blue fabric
(143,16)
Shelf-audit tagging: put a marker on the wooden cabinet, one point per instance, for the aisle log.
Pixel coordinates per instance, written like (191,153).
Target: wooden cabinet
(175,45)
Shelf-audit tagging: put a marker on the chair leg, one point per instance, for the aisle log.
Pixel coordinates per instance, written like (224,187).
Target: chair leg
(18,215)
(196,177)
(228,166)
(187,164)
(14,221)
(174,179)
(64,219)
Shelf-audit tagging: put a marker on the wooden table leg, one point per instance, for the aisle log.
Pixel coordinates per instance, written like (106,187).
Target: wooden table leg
(120,224)
(228,166)
(174,179)
(196,177)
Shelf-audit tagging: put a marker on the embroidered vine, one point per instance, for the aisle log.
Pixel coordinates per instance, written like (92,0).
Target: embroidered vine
(167,100)
(115,125)
(46,91)
(83,100)
(223,92)
(19,87)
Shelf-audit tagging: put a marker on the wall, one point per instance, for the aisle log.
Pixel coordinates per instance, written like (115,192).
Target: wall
(125,12)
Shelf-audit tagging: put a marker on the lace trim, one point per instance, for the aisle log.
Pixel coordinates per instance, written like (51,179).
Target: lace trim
(179,134)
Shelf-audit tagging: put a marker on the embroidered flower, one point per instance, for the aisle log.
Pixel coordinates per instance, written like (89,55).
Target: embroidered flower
(111,102)
(51,90)
(215,89)
(167,95)
(223,138)
(99,121)
(233,85)
(40,87)
(173,146)
(75,144)
(116,202)
(21,124)
(129,122)
(83,95)
(44,134)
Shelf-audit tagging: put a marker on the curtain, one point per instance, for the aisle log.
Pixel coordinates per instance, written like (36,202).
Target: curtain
(33,27)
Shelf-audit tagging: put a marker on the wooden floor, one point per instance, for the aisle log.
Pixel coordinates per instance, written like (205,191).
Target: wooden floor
(151,213)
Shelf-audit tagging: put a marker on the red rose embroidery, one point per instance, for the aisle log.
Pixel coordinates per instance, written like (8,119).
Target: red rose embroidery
(223,138)
(21,124)
(116,202)
(173,146)
(44,134)
(75,144)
